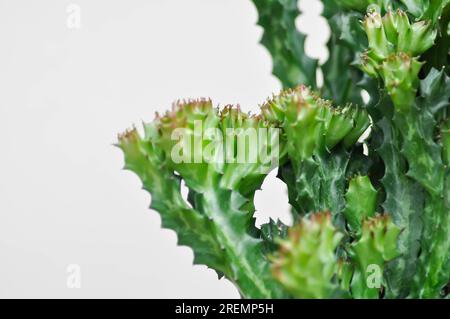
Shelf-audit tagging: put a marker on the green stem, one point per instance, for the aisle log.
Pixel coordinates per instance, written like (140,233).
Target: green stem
(427,168)
(404,202)
(249,266)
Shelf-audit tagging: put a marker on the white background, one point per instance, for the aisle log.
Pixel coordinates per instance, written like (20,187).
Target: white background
(66,93)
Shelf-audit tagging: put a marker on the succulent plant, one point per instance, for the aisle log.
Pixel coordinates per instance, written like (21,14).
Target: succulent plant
(310,247)
(367,179)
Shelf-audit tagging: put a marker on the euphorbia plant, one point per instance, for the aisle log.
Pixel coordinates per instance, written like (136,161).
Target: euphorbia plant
(373,224)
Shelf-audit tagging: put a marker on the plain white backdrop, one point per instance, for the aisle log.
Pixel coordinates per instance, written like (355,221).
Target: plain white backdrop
(66,92)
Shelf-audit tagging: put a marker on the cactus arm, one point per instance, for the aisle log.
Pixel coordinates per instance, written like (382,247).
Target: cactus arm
(427,168)
(436,239)
(375,237)
(375,247)
(285,43)
(306,264)
(233,225)
(394,47)
(361,201)
(222,188)
(316,134)
(404,201)
(249,266)
(423,155)
(193,229)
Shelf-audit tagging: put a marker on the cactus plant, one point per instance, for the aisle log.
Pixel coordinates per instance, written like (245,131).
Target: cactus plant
(373,224)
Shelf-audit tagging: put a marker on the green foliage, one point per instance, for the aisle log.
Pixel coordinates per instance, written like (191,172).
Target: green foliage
(312,125)
(394,44)
(307,264)
(285,43)
(373,225)
(361,200)
(220,223)
(376,246)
